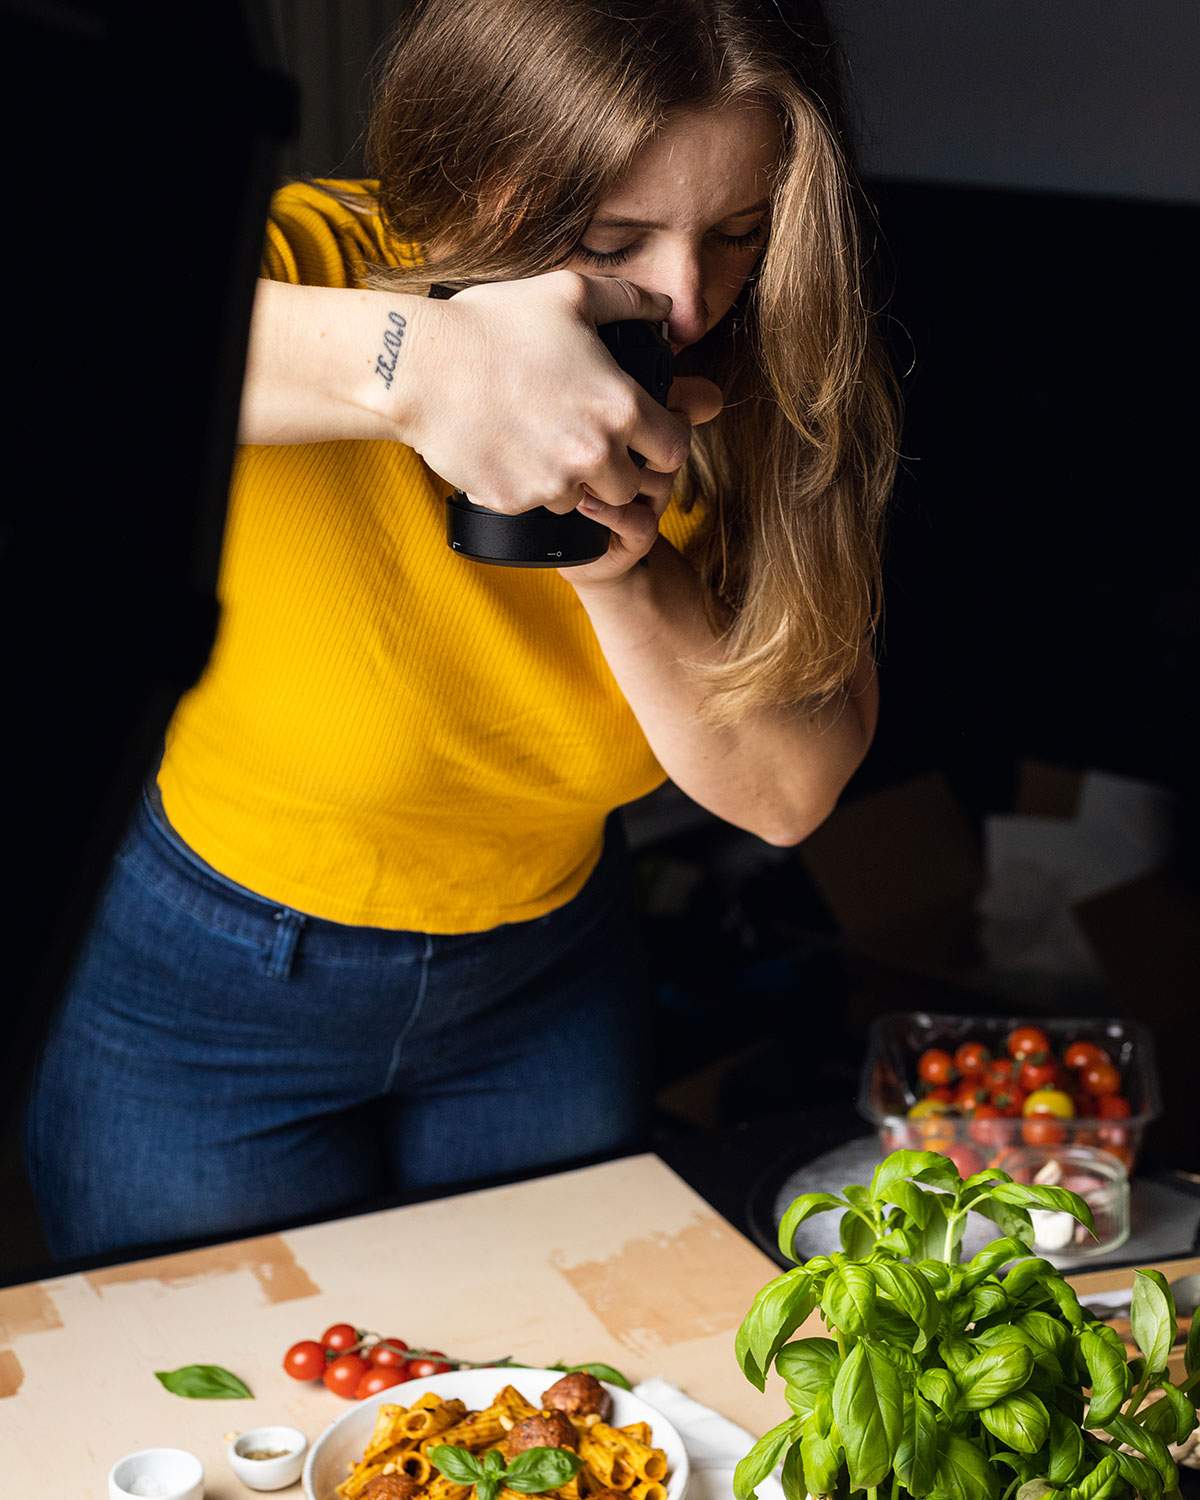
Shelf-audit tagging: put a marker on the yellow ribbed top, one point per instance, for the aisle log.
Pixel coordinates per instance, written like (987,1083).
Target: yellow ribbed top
(387,734)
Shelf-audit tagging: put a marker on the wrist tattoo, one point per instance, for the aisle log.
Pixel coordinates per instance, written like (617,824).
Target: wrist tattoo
(393,337)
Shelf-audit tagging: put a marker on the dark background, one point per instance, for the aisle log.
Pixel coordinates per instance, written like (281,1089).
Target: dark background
(1035,173)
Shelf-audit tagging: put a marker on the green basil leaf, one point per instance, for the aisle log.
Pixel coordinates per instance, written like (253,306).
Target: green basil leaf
(1036,1489)
(956,1353)
(820,1458)
(1066,1300)
(493,1460)
(801,1208)
(923,1166)
(1152,1318)
(1028,1275)
(488,1487)
(990,1259)
(856,1235)
(907,1196)
(204,1383)
(1158,1417)
(917,1455)
(458,1464)
(1066,1448)
(1142,1475)
(982,1179)
(540,1469)
(912,1294)
(1109,1377)
(1093,1485)
(1191,1354)
(962,1472)
(994,1374)
(601,1372)
(900,1241)
(792,1474)
(908,1363)
(1014,1222)
(1039,1195)
(848,1300)
(776,1312)
(808,1367)
(1149,1444)
(1021,1421)
(762,1458)
(936,1272)
(938,1386)
(988,1300)
(868,1407)
(1182,1413)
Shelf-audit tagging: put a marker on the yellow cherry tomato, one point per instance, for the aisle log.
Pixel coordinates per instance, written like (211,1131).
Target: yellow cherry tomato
(923,1108)
(1050,1102)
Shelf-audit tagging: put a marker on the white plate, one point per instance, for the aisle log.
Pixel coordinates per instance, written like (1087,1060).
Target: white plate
(345,1440)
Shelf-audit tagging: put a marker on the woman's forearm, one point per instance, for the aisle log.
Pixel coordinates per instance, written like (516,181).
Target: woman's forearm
(329,363)
(777,773)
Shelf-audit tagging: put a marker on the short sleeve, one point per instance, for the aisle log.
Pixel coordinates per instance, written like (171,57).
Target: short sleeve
(314,238)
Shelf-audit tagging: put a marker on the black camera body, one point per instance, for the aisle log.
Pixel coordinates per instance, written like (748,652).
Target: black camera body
(539,538)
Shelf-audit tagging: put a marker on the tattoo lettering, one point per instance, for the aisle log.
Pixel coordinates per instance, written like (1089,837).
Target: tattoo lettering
(385,363)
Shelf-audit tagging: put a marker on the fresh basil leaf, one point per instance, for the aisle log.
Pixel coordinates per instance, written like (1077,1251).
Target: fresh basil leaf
(1027,1275)
(1177,1419)
(801,1208)
(493,1461)
(988,1300)
(1021,1421)
(962,1472)
(1152,1318)
(762,1458)
(601,1372)
(991,1376)
(792,1474)
(1093,1485)
(900,1241)
(1066,1448)
(917,1456)
(1036,1489)
(1149,1444)
(1109,1377)
(938,1386)
(1039,1195)
(808,1367)
(1066,1300)
(920,1166)
(982,1179)
(488,1487)
(936,1272)
(1014,1222)
(819,1457)
(908,1197)
(868,1407)
(775,1314)
(848,1300)
(1141,1474)
(856,1235)
(956,1353)
(903,1288)
(1191,1353)
(458,1464)
(540,1469)
(908,1363)
(204,1383)
(991,1259)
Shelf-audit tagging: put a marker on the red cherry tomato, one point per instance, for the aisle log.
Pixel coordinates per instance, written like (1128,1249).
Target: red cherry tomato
(964,1157)
(1032,1076)
(1101,1078)
(1043,1130)
(1028,1042)
(1083,1054)
(1113,1107)
(305,1360)
(971,1059)
(388,1354)
(999,1074)
(343,1375)
(986,1126)
(1086,1107)
(935,1066)
(379,1378)
(339,1337)
(943,1093)
(418,1369)
(969,1095)
(1010,1101)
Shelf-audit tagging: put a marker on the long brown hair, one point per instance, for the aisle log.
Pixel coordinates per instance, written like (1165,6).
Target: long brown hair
(499,126)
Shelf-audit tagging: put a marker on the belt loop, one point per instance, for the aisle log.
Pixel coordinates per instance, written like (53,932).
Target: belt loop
(283,950)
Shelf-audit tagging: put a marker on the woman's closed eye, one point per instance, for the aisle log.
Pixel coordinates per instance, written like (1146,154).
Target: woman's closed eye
(747,241)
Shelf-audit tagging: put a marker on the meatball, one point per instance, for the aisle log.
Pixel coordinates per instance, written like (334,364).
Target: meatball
(579,1395)
(553,1431)
(390,1487)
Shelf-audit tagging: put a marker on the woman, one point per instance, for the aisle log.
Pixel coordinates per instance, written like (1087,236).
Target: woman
(370,928)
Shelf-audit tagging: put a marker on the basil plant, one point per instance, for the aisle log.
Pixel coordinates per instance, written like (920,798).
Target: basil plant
(976,1381)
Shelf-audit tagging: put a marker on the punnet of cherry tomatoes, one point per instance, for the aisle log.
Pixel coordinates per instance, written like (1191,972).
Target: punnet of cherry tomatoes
(353,1362)
(977,1097)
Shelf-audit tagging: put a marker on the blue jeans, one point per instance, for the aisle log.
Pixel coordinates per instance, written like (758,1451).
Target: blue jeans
(221,1063)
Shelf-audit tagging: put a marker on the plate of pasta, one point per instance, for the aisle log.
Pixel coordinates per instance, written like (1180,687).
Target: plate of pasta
(380,1449)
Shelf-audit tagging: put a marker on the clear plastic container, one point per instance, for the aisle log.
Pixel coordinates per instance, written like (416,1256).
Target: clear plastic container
(889,1085)
(1099,1179)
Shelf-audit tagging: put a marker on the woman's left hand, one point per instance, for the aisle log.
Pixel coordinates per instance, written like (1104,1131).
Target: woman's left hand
(634,526)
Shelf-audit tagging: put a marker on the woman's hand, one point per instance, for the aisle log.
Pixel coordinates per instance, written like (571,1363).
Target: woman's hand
(518,403)
(634,526)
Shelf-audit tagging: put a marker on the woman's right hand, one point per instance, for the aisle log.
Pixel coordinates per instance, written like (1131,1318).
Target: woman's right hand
(514,400)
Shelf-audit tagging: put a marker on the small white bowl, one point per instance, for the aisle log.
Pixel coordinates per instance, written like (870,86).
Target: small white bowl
(178,1475)
(268,1473)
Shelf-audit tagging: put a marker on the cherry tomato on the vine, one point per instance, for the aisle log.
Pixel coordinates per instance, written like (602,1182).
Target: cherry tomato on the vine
(388,1354)
(1083,1054)
(935,1066)
(970,1094)
(1032,1076)
(339,1337)
(1043,1130)
(435,1365)
(971,1059)
(1101,1078)
(1113,1107)
(379,1378)
(1009,1100)
(305,1360)
(1028,1042)
(999,1074)
(343,1375)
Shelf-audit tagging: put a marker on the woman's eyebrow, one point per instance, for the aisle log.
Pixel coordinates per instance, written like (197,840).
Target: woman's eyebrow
(611,223)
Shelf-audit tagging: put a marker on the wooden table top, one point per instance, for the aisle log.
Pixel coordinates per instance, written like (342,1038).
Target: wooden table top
(622,1263)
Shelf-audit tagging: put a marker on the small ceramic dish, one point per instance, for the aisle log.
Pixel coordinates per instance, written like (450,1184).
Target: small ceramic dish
(163,1473)
(286,1447)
